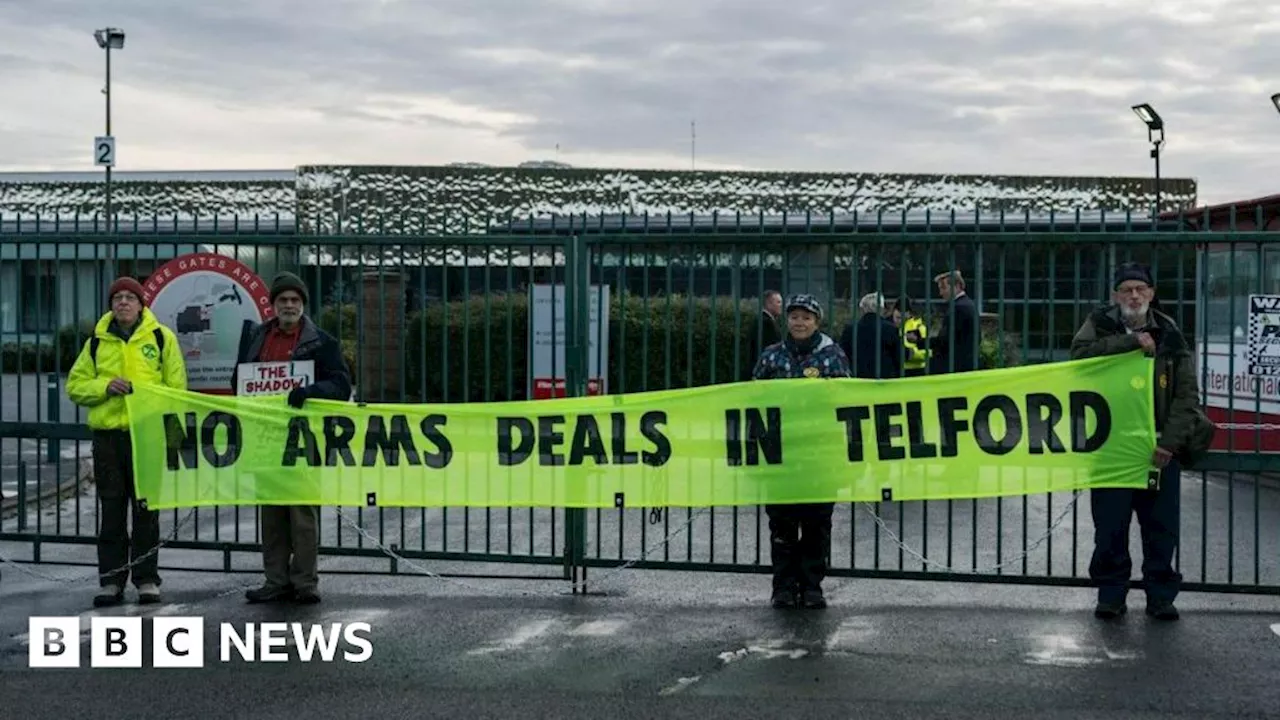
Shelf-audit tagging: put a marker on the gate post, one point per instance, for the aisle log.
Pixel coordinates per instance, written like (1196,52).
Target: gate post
(577,330)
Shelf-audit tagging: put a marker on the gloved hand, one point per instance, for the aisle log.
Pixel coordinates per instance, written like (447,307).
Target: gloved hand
(298,396)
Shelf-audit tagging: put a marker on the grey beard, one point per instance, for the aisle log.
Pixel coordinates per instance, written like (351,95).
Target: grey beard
(1134,319)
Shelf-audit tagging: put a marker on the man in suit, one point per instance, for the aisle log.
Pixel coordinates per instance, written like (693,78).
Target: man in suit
(954,347)
(765,331)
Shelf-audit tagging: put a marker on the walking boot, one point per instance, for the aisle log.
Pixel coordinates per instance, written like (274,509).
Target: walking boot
(109,595)
(268,594)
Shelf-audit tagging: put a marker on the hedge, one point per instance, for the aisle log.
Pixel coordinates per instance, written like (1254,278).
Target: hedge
(671,342)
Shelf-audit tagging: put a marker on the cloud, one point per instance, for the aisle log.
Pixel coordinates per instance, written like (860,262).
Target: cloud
(997,86)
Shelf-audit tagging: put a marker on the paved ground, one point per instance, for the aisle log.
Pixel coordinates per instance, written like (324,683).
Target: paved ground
(677,644)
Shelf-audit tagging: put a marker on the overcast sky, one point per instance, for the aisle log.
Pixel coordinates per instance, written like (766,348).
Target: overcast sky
(953,86)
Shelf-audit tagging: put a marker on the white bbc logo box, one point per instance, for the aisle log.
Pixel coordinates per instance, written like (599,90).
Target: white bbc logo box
(178,642)
(115,642)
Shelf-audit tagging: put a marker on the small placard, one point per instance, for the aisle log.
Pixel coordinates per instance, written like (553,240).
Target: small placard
(274,378)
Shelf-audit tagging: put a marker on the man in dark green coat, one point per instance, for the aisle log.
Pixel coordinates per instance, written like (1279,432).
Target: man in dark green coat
(1130,324)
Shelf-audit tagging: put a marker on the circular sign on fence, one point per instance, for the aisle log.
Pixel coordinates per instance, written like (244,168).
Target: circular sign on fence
(208,300)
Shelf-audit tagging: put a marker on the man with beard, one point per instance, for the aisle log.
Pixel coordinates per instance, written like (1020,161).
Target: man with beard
(290,533)
(1130,324)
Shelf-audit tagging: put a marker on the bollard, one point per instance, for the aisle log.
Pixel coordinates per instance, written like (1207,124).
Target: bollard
(54,415)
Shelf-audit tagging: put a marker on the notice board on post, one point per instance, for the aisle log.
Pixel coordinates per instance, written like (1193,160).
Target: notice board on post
(548,337)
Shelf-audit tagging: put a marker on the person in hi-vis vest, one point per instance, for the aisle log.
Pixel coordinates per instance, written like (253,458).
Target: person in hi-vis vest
(917,358)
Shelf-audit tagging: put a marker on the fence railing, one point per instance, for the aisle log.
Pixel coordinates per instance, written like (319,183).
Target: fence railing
(447,319)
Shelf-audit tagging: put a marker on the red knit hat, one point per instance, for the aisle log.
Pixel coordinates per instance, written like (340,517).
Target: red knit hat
(126,283)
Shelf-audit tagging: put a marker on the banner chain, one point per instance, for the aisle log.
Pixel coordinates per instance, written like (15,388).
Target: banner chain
(896,541)
(99,577)
(679,530)
(575,586)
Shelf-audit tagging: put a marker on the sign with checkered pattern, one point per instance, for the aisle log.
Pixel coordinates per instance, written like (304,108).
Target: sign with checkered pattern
(1264,334)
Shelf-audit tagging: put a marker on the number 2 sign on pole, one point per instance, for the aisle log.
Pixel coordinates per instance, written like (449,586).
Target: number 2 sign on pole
(104,151)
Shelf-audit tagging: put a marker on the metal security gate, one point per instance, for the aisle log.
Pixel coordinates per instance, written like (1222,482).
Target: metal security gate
(445,318)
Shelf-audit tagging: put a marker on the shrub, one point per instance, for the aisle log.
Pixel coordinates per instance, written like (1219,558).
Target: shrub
(670,342)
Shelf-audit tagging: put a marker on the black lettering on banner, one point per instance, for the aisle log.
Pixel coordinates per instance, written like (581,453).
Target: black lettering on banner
(1044,411)
(376,437)
(1080,401)
(309,449)
(649,427)
(339,431)
(852,418)
(950,425)
(982,424)
(231,453)
(587,442)
(622,456)
(548,438)
(181,442)
(756,434)
(887,432)
(915,432)
(430,427)
(509,452)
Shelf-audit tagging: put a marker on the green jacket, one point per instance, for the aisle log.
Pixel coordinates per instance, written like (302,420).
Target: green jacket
(1177,393)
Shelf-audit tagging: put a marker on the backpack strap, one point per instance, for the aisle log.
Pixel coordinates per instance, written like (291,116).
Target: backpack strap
(95,341)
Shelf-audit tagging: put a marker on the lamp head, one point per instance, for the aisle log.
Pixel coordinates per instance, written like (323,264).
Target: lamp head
(1275,100)
(1153,121)
(109,38)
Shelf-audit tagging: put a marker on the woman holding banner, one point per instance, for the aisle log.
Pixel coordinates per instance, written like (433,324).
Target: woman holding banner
(800,534)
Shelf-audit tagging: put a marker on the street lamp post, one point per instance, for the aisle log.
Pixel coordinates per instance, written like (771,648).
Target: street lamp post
(1155,135)
(108,39)
(1275,100)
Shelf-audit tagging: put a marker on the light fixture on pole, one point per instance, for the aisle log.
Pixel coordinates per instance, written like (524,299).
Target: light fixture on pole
(1275,100)
(1155,135)
(104,148)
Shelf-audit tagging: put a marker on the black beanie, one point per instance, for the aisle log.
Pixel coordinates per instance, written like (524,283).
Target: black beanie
(289,281)
(1133,271)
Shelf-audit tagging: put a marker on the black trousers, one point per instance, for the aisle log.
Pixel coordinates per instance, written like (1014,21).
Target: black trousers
(113,474)
(1158,519)
(800,541)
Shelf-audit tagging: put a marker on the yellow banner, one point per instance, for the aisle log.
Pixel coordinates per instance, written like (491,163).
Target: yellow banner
(1034,429)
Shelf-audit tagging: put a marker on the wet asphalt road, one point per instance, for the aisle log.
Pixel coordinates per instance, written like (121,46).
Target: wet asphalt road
(680,645)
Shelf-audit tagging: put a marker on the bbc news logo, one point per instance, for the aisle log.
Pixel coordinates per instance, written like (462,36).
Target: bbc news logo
(179,642)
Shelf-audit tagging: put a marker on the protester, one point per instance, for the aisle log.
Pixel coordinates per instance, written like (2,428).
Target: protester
(800,534)
(1128,324)
(290,533)
(129,346)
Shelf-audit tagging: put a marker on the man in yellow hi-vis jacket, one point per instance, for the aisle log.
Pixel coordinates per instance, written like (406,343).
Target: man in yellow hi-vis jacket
(128,346)
(916,357)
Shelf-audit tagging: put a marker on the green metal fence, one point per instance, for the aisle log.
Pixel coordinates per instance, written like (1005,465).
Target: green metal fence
(446,319)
